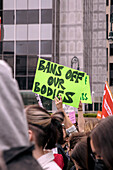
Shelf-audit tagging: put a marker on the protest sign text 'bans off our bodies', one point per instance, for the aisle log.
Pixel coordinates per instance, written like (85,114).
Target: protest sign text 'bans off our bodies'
(52,80)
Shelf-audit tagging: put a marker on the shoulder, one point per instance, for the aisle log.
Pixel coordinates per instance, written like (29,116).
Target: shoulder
(52,165)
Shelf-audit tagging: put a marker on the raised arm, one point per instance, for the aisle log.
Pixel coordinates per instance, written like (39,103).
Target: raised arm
(81,120)
(67,122)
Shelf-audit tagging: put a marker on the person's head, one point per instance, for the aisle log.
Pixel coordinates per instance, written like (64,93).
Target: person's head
(79,154)
(90,124)
(100,145)
(42,126)
(75,138)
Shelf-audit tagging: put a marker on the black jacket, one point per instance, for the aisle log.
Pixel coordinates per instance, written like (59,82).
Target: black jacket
(20,159)
(62,152)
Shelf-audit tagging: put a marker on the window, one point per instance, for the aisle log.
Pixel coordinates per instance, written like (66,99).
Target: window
(107,26)
(28,98)
(8,5)
(90,107)
(33,16)
(8,47)
(1,48)
(10,60)
(111,49)
(111,74)
(46,4)
(46,31)
(30,82)
(46,47)
(20,4)
(33,4)
(8,32)
(33,31)
(8,17)
(21,47)
(32,64)
(107,2)
(1,4)
(107,58)
(47,103)
(46,15)
(21,82)
(21,65)
(21,17)
(33,47)
(27,16)
(95,106)
(21,32)
(100,106)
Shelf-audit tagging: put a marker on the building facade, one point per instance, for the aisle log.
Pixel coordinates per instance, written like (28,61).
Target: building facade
(29,29)
(109,39)
(55,30)
(83,34)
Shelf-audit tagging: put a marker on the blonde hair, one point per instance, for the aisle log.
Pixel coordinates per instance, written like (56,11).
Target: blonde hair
(90,124)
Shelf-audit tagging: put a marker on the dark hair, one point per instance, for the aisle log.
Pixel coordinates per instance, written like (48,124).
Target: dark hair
(58,118)
(75,137)
(79,153)
(102,140)
(43,125)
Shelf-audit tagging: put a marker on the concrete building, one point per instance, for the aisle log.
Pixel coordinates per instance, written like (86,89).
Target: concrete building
(109,37)
(83,34)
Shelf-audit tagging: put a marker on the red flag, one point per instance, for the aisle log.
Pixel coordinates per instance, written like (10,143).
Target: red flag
(107,106)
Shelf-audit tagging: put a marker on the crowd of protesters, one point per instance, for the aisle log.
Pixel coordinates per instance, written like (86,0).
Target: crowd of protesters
(34,139)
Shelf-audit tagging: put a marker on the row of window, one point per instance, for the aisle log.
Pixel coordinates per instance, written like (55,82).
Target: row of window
(25,65)
(26,16)
(97,106)
(30,98)
(26,47)
(25,4)
(25,69)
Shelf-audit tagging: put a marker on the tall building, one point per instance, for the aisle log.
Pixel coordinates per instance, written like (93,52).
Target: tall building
(29,29)
(56,30)
(109,37)
(83,34)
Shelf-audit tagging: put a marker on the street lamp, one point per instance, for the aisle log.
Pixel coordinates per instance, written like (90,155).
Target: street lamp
(93,99)
(75,60)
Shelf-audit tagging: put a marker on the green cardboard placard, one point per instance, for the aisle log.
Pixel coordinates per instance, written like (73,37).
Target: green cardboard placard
(86,93)
(52,79)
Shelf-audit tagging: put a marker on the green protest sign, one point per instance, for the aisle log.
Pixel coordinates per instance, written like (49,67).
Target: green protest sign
(52,79)
(86,94)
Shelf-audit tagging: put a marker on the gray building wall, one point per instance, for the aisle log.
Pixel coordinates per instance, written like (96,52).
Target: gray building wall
(99,69)
(71,31)
(83,34)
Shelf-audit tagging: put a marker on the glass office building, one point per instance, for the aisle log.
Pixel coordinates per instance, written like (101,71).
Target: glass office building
(28,29)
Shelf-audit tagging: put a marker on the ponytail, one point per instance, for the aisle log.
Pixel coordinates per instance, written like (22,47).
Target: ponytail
(47,128)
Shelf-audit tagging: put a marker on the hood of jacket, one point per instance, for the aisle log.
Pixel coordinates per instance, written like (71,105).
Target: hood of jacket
(13,123)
